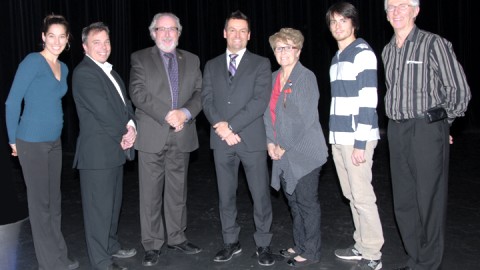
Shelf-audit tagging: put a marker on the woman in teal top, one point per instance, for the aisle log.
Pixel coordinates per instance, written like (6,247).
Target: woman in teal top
(34,136)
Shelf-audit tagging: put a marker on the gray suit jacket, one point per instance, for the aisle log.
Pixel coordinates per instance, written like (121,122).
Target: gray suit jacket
(241,102)
(150,93)
(297,127)
(103,117)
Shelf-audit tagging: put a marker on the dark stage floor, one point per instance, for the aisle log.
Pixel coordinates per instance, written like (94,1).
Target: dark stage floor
(463,232)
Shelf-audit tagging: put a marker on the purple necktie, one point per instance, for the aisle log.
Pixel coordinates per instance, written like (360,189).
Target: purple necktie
(232,67)
(173,75)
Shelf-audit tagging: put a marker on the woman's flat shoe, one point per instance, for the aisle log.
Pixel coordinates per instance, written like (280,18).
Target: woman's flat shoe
(296,264)
(287,254)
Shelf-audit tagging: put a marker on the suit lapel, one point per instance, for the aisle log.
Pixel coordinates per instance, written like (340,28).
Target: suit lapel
(158,60)
(111,91)
(296,72)
(120,83)
(223,66)
(242,67)
(181,61)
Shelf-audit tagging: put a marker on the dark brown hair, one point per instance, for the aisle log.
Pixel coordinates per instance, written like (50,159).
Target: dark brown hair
(237,15)
(55,19)
(346,10)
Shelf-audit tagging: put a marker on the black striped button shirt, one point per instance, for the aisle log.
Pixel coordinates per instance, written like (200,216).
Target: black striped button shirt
(423,73)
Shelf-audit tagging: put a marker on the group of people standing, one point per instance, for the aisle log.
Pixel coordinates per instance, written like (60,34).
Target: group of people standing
(253,114)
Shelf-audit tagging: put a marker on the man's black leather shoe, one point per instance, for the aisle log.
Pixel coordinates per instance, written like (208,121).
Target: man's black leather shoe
(265,257)
(227,252)
(115,266)
(151,257)
(186,247)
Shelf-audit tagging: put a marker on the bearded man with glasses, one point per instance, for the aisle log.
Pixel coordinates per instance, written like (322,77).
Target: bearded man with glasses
(165,84)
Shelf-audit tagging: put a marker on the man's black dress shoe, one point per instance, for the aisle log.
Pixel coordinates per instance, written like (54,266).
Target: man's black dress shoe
(151,257)
(123,253)
(287,254)
(115,266)
(186,247)
(403,268)
(227,252)
(294,263)
(265,257)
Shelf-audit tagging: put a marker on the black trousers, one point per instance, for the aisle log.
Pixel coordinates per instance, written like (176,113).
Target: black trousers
(306,215)
(101,202)
(42,167)
(255,166)
(419,157)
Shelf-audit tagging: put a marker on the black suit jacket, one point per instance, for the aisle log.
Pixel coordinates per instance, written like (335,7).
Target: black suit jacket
(102,115)
(240,102)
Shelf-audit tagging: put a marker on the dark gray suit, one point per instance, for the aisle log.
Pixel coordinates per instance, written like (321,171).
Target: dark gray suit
(103,117)
(241,102)
(163,153)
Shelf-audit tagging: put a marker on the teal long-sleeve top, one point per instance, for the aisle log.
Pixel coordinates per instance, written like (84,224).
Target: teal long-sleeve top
(42,117)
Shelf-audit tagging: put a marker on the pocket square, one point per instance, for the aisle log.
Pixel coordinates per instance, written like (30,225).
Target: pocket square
(414,62)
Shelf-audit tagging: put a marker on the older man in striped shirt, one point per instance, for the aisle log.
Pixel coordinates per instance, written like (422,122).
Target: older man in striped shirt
(421,73)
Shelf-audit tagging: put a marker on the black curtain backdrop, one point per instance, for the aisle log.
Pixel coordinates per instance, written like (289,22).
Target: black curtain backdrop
(202,34)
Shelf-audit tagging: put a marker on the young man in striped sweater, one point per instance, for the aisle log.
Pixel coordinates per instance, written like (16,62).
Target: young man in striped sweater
(354,132)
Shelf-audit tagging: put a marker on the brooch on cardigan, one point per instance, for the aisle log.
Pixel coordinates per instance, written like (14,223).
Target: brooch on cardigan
(286,92)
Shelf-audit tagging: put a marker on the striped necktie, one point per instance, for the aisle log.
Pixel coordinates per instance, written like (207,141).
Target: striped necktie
(173,75)
(232,67)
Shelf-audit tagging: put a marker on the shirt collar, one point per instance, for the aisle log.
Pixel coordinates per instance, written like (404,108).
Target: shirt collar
(411,37)
(106,67)
(162,53)
(240,53)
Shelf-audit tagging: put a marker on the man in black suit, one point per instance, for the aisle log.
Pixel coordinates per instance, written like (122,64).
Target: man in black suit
(106,130)
(236,90)
(165,84)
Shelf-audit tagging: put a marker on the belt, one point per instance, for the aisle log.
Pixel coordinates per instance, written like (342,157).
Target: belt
(399,121)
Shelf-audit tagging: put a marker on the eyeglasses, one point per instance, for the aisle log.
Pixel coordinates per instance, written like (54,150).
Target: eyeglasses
(400,8)
(287,48)
(166,29)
